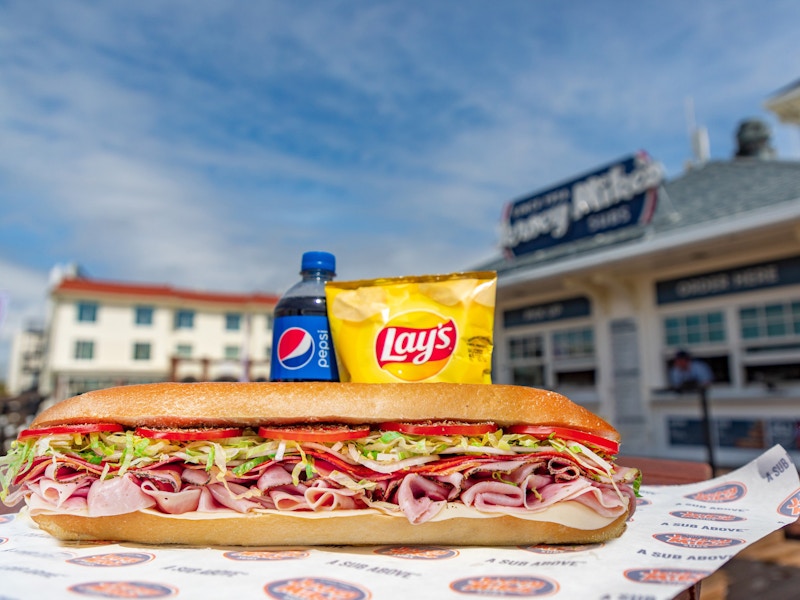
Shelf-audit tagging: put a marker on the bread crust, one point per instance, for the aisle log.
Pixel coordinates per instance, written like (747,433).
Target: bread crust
(213,404)
(280,530)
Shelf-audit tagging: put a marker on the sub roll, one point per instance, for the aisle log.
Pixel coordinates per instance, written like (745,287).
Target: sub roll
(321,463)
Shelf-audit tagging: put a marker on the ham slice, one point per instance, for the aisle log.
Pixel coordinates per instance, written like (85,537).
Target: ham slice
(290,497)
(420,498)
(173,503)
(494,496)
(73,504)
(166,478)
(274,476)
(228,496)
(116,496)
(196,476)
(323,497)
(56,493)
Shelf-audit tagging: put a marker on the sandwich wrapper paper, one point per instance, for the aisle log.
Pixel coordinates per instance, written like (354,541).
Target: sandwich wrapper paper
(677,536)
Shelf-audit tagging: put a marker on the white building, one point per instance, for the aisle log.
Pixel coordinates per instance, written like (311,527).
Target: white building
(26,360)
(600,288)
(103,333)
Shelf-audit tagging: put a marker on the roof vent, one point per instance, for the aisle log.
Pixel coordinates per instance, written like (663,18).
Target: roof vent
(753,139)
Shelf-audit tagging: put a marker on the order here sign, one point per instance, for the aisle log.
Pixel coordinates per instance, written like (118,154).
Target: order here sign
(616,196)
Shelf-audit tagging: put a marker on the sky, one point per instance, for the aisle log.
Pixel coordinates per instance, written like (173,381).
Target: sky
(208,144)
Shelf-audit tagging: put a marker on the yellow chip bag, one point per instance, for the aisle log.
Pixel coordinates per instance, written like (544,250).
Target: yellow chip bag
(426,328)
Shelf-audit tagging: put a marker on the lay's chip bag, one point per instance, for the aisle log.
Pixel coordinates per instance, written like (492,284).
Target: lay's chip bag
(425,328)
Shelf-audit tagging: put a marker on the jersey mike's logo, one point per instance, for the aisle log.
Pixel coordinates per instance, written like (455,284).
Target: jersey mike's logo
(123,589)
(295,348)
(416,345)
(697,542)
(315,587)
(526,586)
(791,506)
(727,492)
(666,576)
(113,559)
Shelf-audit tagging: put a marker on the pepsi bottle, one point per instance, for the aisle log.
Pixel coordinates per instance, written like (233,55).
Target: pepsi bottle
(302,348)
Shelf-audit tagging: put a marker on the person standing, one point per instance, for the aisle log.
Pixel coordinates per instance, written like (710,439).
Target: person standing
(688,373)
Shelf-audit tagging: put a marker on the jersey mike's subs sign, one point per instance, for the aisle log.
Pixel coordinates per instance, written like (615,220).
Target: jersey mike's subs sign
(614,197)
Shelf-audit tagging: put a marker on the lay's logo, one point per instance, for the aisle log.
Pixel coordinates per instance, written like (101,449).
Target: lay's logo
(416,345)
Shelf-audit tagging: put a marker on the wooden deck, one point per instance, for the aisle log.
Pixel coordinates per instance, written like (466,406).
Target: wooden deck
(769,569)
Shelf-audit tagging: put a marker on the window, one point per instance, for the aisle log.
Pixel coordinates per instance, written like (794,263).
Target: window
(143,315)
(233,321)
(183,350)
(574,357)
(184,319)
(526,347)
(771,333)
(526,354)
(232,352)
(694,329)
(770,321)
(87,312)
(573,343)
(141,351)
(270,318)
(84,350)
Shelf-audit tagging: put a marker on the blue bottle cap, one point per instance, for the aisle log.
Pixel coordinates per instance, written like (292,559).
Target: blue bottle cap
(318,260)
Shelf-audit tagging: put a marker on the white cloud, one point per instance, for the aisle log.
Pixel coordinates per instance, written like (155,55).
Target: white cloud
(208,145)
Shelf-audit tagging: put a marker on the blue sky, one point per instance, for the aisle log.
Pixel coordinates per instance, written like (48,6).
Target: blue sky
(208,144)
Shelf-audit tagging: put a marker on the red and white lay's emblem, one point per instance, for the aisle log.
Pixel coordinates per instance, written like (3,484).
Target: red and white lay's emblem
(417,345)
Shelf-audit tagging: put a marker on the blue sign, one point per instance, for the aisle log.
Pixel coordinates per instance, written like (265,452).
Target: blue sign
(617,196)
(543,313)
(775,273)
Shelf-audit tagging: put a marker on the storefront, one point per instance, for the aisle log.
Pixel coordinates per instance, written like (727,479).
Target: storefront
(606,276)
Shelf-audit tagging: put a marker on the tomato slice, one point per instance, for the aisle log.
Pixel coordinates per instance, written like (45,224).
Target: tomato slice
(575,435)
(189,433)
(323,432)
(69,429)
(440,428)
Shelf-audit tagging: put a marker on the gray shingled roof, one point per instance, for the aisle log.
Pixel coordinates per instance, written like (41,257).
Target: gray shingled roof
(720,190)
(715,191)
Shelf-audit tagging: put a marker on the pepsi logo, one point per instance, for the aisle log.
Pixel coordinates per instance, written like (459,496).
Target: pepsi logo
(113,559)
(666,576)
(315,587)
(522,586)
(295,348)
(417,552)
(697,542)
(728,492)
(791,506)
(123,589)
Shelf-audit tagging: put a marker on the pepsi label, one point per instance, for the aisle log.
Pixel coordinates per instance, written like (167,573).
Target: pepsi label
(303,350)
